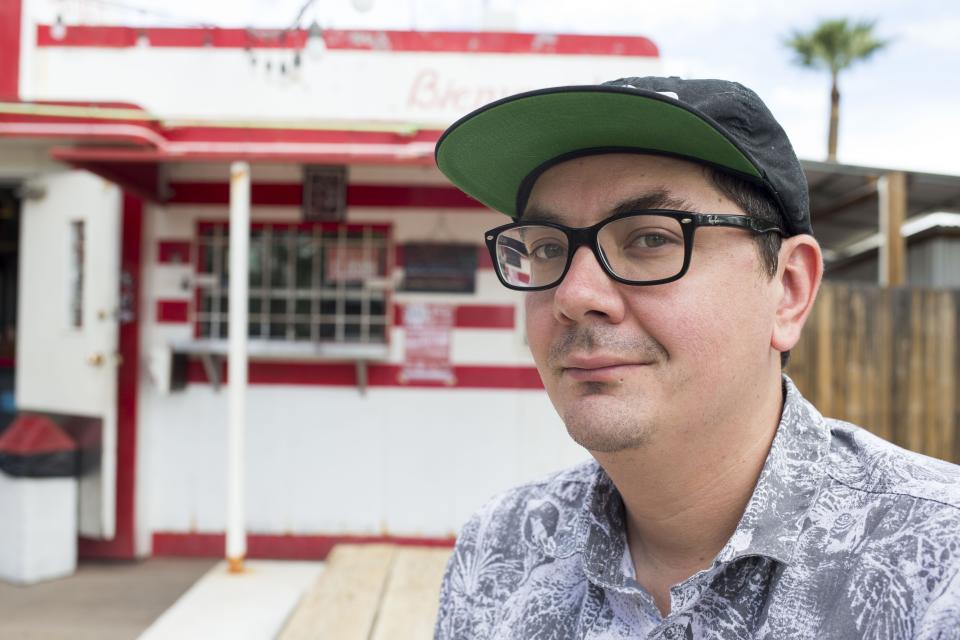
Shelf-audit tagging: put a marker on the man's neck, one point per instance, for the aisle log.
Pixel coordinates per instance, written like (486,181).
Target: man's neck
(685,497)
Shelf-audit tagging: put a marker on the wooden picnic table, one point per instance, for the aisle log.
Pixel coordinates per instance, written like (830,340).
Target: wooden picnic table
(372,592)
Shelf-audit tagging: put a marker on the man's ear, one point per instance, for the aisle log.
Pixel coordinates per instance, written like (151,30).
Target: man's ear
(799,271)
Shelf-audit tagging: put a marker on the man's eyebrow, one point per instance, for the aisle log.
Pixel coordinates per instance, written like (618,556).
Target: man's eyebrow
(658,199)
(536,214)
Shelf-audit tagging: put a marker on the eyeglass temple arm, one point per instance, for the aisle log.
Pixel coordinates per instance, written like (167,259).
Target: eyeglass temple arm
(754,224)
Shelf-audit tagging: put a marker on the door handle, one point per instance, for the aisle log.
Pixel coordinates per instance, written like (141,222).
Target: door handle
(98,359)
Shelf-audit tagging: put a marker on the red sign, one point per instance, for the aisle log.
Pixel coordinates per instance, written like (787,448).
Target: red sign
(427,343)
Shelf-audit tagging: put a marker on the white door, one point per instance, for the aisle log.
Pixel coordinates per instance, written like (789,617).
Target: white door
(67,324)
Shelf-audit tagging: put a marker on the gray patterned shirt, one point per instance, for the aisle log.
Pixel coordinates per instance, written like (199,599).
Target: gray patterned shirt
(845,536)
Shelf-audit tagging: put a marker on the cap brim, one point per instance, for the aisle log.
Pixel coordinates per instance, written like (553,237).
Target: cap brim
(491,152)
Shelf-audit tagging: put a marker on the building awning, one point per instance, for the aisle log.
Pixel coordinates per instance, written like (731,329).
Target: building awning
(127,145)
(844,203)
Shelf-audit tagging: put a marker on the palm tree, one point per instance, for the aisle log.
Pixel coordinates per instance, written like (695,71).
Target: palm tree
(834,45)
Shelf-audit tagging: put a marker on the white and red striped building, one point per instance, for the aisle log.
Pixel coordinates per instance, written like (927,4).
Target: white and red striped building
(390,388)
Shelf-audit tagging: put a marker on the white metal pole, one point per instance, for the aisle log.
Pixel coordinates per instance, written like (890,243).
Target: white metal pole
(237,361)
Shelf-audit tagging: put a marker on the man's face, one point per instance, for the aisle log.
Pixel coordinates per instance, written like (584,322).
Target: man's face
(626,365)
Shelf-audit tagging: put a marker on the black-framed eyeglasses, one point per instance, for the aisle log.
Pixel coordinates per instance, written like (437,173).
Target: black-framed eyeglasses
(647,247)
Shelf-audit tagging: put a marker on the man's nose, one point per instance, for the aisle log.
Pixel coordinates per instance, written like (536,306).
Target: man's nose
(587,291)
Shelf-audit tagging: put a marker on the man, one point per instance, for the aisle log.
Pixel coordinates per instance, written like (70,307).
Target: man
(663,240)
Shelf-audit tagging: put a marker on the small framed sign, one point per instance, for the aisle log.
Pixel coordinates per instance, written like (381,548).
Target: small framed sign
(439,268)
(324,193)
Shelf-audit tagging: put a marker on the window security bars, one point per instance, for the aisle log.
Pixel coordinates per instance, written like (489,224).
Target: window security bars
(308,283)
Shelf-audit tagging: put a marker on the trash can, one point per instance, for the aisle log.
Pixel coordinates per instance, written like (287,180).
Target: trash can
(38,501)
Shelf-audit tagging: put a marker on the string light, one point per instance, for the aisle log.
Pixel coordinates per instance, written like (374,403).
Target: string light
(58,31)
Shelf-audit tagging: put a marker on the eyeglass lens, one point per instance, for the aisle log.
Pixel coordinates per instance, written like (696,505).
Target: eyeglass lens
(641,248)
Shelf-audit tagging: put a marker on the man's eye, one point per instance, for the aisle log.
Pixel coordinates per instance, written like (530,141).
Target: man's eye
(648,241)
(548,251)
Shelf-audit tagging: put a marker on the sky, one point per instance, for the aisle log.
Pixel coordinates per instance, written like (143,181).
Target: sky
(899,109)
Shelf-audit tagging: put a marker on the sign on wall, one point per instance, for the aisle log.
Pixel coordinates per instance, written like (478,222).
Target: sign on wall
(324,193)
(439,267)
(427,342)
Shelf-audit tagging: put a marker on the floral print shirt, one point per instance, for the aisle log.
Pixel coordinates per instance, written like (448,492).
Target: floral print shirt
(846,536)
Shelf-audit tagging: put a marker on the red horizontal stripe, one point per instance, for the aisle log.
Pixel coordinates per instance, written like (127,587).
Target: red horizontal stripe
(294,135)
(485,316)
(409,41)
(171,311)
(207,225)
(473,316)
(105,104)
(173,252)
(307,156)
(378,375)
(219,193)
(409,196)
(281,547)
(358,195)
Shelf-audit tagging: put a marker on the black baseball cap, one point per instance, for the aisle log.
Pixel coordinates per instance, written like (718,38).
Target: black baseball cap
(496,153)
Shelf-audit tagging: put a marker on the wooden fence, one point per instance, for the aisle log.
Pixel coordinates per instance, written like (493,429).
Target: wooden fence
(887,360)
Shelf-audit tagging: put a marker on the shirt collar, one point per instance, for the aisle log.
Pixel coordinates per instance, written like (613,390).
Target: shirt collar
(772,521)
(788,485)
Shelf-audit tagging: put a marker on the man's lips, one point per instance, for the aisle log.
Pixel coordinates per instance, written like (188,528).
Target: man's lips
(599,369)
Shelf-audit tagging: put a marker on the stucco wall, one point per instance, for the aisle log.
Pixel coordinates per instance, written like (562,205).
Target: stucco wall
(327,459)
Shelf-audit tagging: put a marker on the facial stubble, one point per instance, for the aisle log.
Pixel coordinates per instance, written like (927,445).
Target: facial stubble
(600,417)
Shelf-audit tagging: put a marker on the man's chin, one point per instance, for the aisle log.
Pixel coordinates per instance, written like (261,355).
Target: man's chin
(605,431)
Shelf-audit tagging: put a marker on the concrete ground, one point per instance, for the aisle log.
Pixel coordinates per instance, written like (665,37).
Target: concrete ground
(101,601)
(253,605)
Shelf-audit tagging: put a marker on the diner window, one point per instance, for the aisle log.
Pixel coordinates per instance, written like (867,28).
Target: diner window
(308,282)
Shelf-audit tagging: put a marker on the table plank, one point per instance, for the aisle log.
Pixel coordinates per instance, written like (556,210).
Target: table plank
(410,601)
(344,601)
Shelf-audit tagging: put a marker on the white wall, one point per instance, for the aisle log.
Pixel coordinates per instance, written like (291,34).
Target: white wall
(324,459)
(328,460)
